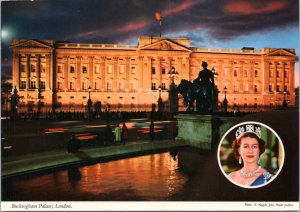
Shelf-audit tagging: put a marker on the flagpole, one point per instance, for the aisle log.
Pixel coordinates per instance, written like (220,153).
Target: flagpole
(160,27)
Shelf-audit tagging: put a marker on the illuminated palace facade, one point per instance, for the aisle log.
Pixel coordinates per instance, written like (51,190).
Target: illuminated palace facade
(125,77)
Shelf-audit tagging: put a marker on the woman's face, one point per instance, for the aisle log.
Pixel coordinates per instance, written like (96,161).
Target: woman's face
(249,150)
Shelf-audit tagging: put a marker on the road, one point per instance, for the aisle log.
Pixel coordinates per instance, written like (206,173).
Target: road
(30,136)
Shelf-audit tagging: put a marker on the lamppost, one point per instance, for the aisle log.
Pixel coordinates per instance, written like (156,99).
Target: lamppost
(39,102)
(284,103)
(89,103)
(225,102)
(159,101)
(173,97)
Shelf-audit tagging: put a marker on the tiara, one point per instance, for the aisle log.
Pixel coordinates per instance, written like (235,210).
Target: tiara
(249,128)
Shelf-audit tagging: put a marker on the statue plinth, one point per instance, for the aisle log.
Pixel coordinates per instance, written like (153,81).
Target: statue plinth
(203,131)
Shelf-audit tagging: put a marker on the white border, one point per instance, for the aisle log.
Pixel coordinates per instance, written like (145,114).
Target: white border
(150,206)
(256,123)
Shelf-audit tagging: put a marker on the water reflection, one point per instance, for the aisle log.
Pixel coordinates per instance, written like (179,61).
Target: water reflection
(149,177)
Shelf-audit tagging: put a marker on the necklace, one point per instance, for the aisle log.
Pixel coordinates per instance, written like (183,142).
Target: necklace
(249,174)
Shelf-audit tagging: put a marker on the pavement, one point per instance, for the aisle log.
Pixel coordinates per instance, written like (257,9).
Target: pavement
(37,162)
(285,123)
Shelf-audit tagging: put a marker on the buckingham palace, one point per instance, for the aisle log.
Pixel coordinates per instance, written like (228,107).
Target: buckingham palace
(133,77)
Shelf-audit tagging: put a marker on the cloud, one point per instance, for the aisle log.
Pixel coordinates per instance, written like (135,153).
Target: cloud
(134,26)
(254,7)
(179,8)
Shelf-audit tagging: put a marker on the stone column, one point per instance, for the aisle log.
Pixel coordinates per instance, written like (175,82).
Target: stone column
(78,71)
(266,76)
(38,66)
(16,72)
(66,75)
(91,72)
(103,72)
(127,73)
(28,70)
(251,76)
(115,73)
(141,71)
(291,76)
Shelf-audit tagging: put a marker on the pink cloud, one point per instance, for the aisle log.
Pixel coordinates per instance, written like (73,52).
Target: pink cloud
(185,5)
(141,24)
(248,8)
(133,26)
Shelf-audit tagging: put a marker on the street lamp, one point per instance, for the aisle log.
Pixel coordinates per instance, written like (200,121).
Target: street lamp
(225,102)
(89,103)
(173,97)
(159,102)
(284,103)
(172,74)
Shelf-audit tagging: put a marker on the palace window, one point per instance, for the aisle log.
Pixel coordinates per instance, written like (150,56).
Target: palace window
(270,88)
(32,68)
(84,69)
(22,68)
(153,70)
(121,86)
(59,85)
(109,86)
(43,68)
(277,74)
(23,84)
(255,88)
(277,88)
(109,68)
(246,87)
(43,85)
(97,85)
(285,74)
(32,84)
(235,73)
(163,86)
(72,69)
(97,69)
(121,69)
(72,85)
(153,86)
(256,73)
(133,69)
(285,88)
(59,69)
(235,88)
(163,71)
(84,85)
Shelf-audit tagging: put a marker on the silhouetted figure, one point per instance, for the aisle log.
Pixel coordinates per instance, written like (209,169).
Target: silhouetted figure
(207,84)
(73,144)
(108,136)
(124,133)
(151,132)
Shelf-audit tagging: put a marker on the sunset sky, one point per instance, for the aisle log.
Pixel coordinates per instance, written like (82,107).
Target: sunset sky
(208,23)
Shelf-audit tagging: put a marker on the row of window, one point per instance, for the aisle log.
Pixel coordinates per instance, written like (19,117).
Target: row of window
(33,68)
(32,84)
(84,86)
(84,69)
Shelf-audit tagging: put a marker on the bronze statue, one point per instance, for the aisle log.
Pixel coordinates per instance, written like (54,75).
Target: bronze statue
(203,90)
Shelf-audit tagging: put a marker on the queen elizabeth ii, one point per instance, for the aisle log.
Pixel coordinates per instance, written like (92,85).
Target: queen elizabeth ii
(248,147)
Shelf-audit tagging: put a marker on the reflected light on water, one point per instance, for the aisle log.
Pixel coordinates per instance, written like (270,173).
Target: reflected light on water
(149,177)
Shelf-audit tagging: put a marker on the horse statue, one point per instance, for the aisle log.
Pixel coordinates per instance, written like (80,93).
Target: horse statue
(202,89)
(196,91)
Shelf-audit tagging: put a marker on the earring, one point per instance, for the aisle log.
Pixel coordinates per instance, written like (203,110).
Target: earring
(258,160)
(240,160)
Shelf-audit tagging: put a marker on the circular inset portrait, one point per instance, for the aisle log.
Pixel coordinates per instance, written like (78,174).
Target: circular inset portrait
(250,154)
